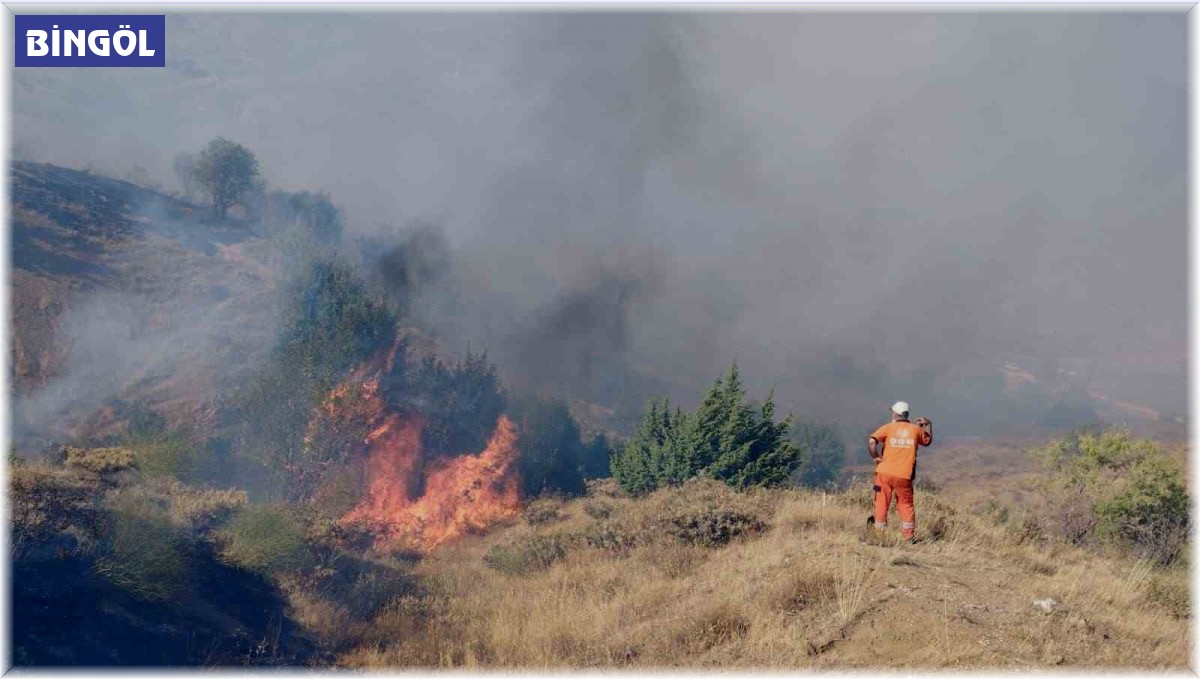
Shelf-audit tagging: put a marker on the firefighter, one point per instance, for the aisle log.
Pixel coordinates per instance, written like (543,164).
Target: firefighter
(893,447)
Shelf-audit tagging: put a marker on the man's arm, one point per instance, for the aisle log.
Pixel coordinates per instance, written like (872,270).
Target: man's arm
(927,430)
(873,448)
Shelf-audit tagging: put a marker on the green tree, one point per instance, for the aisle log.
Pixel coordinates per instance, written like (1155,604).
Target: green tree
(641,465)
(660,452)
(726,438)
(225,170)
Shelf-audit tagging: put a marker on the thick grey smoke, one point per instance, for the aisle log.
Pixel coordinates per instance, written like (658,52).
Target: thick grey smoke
(842,202)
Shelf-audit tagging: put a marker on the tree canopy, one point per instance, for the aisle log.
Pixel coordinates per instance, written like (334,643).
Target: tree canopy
(225,170)
(727,438)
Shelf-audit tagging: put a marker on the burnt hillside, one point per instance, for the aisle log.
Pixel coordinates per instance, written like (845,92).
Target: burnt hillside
(99,262)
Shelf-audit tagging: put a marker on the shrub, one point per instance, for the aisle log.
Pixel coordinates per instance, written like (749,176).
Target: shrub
(264,539)
(141,551)
(164,455)
(1111,487)
(711,526)
(542,510)
(1150,514)
(332,321)
(536,553)
(100,460)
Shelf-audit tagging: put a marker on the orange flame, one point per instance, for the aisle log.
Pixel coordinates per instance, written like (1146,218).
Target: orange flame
(407,503)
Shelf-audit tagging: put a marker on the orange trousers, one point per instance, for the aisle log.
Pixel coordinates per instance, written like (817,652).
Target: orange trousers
(886,486)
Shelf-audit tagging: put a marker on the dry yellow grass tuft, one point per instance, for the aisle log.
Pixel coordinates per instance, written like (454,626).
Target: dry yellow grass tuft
(805,588)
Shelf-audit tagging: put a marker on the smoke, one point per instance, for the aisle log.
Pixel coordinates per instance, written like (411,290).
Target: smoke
(181,310)
(578,345)
(853,206)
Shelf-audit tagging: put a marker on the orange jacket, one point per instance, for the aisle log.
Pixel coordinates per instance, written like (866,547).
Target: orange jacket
(900,441)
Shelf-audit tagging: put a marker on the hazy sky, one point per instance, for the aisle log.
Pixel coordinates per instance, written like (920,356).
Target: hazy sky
(922,190)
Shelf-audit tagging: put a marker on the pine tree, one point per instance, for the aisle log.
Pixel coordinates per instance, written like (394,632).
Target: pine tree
(648,459)
(727,439)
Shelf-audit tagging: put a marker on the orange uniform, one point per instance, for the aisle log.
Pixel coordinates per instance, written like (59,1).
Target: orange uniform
(894,472)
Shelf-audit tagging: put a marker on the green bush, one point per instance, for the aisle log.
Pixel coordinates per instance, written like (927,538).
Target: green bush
(165,455)
(1113,488)
(264,539)
(536,553)
(1150,513)
(141,552)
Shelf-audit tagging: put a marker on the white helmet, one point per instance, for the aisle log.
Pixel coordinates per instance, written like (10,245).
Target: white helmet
(900,407)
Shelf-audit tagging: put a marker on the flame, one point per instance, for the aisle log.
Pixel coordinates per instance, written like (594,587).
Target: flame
(417,505)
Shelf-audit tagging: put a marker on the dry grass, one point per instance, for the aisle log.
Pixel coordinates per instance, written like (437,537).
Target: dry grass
(850,586)
(805,591)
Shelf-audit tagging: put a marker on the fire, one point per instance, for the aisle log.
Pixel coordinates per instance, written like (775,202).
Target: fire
(408,502)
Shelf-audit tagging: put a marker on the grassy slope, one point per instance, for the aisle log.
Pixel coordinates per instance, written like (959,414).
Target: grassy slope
(814,590)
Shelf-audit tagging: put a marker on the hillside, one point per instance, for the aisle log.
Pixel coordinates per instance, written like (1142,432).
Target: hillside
(612,582)
(118,290)
(116,567)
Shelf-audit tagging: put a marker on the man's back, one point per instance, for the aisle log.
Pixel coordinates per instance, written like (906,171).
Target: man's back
(900,440)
